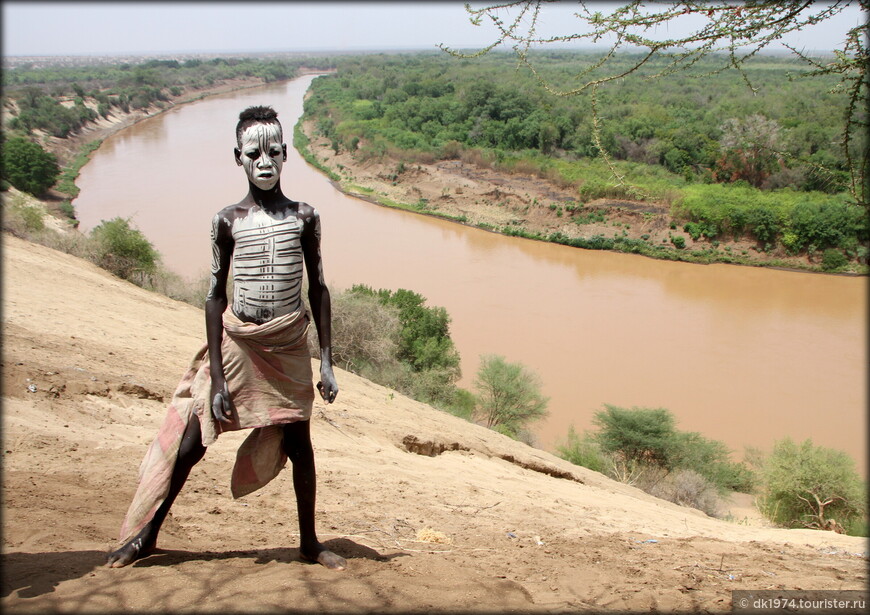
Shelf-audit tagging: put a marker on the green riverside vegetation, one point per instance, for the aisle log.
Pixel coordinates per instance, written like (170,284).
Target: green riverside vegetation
(813,486)
(59,101)
(798,485)
(726,162)
(40,93)
(27,166)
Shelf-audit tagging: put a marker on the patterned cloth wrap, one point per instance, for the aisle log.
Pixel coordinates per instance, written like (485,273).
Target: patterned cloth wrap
(268,372)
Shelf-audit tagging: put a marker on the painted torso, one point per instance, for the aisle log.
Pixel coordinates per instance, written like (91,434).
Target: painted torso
(267,265)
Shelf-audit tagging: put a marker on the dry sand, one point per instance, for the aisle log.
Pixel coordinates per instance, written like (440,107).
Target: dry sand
(433,513)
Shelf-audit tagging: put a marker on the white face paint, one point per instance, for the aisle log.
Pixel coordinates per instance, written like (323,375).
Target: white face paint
(262,154)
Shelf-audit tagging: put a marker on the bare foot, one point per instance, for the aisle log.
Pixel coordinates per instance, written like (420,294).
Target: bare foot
(135,549)
(324,557)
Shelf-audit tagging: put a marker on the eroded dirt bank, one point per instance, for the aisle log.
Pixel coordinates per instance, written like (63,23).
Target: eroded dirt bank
(433,513)
(481,196)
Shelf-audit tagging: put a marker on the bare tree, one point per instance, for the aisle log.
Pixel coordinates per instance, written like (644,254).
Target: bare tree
(734,32)
(749,146)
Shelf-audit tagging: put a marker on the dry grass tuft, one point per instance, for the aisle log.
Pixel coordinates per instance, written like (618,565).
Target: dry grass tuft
(427,534)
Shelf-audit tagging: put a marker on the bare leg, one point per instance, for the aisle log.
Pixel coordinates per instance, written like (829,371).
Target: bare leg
(297,446)
(143,543)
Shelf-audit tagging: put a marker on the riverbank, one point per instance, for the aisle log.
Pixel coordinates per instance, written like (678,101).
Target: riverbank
(433,513)
(526,205)
(51,220)
(74,151)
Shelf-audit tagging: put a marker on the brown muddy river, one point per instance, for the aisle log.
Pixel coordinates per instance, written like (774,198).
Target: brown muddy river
(743,355)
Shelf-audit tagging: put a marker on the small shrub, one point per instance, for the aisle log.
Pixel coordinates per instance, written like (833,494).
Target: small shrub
(67,209)
(365,332)
(857,527)
(509,395)
(686,488)
(679,241)
(641,434)
(22,220)
(833,259)
(424,338)
(582,451)
(791,242)
(811,486)
(28,167)
(764,224)
(696,230)
(710,459)
(461,404)
(172,285)
(33,220)
(124,251)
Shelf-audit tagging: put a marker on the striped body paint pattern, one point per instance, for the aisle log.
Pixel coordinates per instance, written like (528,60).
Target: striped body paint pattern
(267,265)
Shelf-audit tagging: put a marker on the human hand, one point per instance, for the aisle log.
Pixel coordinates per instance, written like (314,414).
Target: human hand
(221,404)
(327,386)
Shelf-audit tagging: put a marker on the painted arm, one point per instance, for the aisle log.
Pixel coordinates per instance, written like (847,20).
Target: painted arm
(318,297)
(215,305)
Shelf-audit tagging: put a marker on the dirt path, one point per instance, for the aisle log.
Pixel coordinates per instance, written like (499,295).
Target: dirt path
(433,513)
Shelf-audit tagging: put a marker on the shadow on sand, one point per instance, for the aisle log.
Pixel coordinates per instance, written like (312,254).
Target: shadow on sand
(35,574)
(39,573)
(342,546)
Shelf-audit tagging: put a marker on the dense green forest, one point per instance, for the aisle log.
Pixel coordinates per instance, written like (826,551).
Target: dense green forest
(727,159)
(692,124)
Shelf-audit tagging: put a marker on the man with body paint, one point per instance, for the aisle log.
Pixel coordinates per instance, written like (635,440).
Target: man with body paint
(254,371)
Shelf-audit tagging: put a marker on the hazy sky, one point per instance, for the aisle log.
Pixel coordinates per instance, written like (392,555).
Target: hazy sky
(110,28)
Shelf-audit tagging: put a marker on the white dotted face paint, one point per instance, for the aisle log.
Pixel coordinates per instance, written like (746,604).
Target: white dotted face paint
(262,154)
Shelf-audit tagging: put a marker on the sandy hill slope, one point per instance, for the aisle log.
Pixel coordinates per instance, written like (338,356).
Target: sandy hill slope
(433,513)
